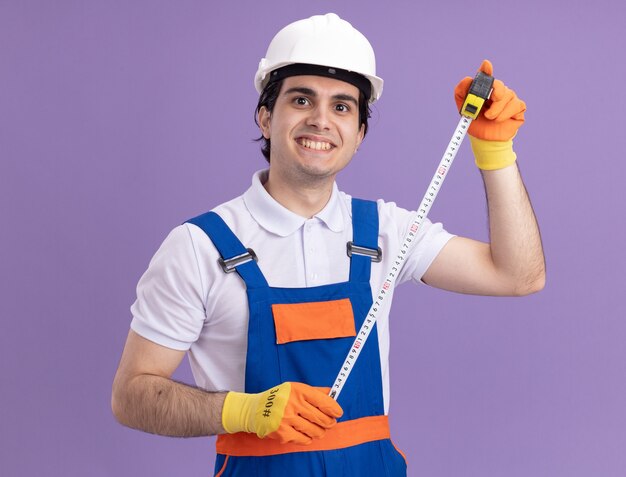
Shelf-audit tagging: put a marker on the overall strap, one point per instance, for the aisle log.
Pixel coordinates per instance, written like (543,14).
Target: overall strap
(364,236)
(235,257)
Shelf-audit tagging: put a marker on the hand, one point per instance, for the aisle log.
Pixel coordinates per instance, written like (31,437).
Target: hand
(289,412)
(503,113)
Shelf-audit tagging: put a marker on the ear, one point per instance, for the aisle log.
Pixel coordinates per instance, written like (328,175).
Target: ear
(360,136)
(264,119)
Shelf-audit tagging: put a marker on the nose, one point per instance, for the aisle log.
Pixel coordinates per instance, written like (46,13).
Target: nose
(319,118)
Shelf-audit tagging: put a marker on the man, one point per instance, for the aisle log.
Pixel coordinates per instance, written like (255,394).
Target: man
(265,343)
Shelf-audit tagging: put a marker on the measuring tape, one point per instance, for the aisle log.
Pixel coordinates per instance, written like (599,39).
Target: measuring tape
(479,92)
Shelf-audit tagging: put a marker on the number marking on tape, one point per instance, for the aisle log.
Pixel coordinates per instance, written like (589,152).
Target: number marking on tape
(407,244)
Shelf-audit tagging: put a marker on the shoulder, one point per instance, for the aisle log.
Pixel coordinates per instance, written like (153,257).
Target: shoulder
(388,212)
(188,246)
(234,213)
(227,210)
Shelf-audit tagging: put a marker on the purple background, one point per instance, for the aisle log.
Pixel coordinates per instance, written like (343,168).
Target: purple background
(119,120)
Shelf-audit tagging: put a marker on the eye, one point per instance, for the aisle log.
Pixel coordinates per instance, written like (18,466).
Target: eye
(301,101)
(342,108)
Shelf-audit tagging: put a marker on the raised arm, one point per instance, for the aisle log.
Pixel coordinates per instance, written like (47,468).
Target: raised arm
(512,263)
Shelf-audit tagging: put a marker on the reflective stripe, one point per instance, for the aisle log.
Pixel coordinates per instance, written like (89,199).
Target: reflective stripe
(343,434)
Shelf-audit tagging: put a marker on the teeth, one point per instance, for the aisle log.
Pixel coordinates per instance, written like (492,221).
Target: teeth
(318,146)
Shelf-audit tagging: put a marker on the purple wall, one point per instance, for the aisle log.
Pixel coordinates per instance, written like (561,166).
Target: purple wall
(118,120)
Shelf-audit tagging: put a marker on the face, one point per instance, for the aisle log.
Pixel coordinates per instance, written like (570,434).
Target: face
(314,129)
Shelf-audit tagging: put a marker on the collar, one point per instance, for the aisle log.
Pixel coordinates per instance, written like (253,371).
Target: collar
(279,220)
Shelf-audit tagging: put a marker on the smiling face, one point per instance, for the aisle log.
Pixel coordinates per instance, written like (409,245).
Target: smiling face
(314,129)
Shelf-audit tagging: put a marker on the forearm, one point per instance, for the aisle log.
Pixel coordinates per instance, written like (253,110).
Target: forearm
(512,263)
(515,241)
(161,406)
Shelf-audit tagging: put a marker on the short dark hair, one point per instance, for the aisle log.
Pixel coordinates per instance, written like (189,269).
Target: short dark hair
(268,98)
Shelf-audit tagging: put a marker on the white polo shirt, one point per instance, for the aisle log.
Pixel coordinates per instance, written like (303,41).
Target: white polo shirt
(186,302)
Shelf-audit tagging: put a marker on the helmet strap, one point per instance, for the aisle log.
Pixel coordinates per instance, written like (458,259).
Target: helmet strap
(299,69)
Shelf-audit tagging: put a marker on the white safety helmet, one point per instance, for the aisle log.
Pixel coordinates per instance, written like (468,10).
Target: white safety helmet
(326,41)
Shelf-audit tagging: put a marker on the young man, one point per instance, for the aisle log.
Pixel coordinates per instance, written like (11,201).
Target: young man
(265,343)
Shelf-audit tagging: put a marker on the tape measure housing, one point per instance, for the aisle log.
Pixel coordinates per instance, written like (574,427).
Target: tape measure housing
(478,93)
(472,106)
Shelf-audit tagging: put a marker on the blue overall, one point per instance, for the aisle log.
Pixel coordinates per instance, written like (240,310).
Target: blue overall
(313,361)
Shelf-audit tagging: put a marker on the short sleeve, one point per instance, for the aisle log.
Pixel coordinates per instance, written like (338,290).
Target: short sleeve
(430,242)
(431,238)
(169,309)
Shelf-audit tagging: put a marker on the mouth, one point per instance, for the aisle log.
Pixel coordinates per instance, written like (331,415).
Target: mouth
(314,145)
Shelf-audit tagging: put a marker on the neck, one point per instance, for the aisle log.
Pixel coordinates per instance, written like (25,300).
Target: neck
(305,199)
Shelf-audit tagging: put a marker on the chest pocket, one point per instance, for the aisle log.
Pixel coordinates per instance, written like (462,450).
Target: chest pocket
(313,321)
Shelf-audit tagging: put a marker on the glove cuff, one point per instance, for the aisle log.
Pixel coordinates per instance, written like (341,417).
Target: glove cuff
(492,155)
(236,411)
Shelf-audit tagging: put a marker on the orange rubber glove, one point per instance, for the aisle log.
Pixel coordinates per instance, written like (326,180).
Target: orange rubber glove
(503,113)
(289,412)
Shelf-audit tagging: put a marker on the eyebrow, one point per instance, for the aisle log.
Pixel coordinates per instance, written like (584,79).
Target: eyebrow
(312,93)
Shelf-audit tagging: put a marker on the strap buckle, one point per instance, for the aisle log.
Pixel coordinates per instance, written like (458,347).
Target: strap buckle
(376,254)
(230,264)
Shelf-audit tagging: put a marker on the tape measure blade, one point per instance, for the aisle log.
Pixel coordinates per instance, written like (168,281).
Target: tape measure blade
(407,244)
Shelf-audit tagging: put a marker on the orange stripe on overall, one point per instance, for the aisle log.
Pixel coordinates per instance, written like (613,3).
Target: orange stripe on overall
(344,434)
